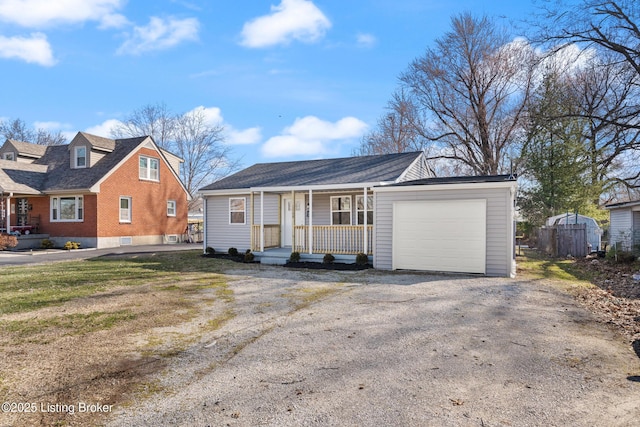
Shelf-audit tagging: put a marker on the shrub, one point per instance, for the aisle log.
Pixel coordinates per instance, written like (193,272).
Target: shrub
(625,257)
(233,251)
(248,256)
(71,245)
(8,241)
(295,257)
(46,244)
(210,250)
(362,259)
(328,259)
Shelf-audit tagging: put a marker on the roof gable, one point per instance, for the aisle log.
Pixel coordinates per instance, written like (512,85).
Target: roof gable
(95,142)
(348,170)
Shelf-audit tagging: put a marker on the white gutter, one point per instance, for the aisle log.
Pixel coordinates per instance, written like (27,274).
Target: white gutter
(448,186)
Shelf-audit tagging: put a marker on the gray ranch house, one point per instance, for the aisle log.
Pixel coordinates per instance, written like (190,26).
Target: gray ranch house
(386,206)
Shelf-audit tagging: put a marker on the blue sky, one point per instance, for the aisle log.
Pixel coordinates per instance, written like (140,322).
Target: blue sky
(289,79)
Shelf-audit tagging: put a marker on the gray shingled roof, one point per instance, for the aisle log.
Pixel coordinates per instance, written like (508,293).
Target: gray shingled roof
(348,170)
(60,176)
(458,180)
(52,171)
(19,177)
(27,149)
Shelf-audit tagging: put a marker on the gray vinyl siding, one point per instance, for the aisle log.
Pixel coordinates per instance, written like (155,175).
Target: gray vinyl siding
(221,235)
(418,170)
(621,227)
(499,250)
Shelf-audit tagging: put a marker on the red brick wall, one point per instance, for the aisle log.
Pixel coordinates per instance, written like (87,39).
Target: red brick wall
(148,201)
(85,228)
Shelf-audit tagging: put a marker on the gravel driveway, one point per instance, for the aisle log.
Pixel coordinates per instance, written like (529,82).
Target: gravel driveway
(391,349)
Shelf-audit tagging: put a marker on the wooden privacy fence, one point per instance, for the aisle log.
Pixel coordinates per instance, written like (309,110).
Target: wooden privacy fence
(564,240)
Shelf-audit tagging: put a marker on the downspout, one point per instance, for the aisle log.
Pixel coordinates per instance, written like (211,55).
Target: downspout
(204,228)
(310,221)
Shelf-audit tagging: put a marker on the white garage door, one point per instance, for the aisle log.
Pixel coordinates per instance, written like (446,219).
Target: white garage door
(440,235)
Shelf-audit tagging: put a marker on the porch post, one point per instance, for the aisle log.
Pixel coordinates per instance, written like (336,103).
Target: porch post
(251,220)
(310,221)
(262,221)
(8,214)
(293,220)
(366,231)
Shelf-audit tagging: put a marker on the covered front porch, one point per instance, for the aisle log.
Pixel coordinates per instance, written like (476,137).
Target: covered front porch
(338,221)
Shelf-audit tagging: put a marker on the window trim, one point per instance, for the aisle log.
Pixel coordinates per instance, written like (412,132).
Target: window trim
(147,175)
(5,156)
(54,208)
(129,210)
(76,157)
(341,210)
(244,211)
(369,209)
(174,208)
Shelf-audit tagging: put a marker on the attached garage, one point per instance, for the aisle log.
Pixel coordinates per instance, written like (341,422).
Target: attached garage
(461,224)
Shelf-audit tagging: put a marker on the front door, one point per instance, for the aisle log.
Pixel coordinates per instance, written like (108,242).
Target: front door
(23,211)
(287,219)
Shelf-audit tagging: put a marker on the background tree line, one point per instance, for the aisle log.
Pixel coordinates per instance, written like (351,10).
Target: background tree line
(562,108)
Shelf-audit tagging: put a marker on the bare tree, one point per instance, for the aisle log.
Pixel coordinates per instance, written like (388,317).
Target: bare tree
(471,90)
(610,27)
(397,131)
(201,145)
(153,120)
(189,136)
(17,130)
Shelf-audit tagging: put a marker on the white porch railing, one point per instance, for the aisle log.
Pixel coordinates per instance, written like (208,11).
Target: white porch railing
(271,237)
(334,239)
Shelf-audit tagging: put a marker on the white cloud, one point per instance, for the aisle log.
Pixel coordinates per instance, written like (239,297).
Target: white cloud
(43,13)
(114,20)
(160,34)
(51,126)
(311,136)
(233,136)
(35,49)
(104,128)
(244,137)
(366,40)
(291,20)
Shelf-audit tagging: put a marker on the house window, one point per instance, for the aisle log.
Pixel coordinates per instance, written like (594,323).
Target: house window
(67,208)
(171,208)
(341,210)
(360,210)
(80,157)
(125,209)
(149,168)
(237,211)
(8,156)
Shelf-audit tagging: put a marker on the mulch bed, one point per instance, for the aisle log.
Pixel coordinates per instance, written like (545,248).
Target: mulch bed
(306,264)
(328,266)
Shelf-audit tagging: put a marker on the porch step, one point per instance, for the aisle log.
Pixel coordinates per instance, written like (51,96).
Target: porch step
(271,260)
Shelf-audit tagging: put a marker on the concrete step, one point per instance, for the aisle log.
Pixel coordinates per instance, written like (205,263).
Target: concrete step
(269,260)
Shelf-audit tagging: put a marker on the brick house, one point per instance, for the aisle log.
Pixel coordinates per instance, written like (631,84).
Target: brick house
(96,191)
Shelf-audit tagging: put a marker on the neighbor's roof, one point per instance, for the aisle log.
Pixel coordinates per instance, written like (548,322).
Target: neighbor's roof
(18,177)
(457,180)
(348,170)
(623,204)
(27,149)
(52,171)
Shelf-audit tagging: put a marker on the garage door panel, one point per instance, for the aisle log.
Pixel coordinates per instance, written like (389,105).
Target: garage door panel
(440,235)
